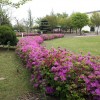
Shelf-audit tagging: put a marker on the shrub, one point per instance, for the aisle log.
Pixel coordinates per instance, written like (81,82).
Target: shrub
(60,72)
(51,36)
(7,35)
(85,31)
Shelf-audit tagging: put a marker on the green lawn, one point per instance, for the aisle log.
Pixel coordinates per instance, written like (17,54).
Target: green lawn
(15,83)
(77,44)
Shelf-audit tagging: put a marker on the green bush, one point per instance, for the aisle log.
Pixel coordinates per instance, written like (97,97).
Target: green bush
(7,35)
(85,31)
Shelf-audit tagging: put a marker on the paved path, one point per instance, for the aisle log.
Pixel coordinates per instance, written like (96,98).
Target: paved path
(77,35)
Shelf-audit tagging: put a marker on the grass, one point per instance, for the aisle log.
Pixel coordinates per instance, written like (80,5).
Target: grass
(16,83)
(77,44)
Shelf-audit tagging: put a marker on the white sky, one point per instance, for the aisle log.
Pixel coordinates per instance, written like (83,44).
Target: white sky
(42,7)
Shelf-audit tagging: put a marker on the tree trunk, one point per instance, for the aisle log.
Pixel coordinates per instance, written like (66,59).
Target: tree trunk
(70,30)
(80,31)
(97,29)
(76,31)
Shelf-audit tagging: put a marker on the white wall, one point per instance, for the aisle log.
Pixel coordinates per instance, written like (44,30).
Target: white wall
(97,29)
(86,28)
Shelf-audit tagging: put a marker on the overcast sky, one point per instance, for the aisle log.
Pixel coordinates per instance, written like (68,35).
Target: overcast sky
(42,7)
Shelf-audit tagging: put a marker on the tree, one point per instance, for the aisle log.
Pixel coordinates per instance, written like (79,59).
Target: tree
(69,24)
(52,20)
(79,20)
(28,23)
(30,20)
(10,3)
(44,26)
(61,20)
(19,27)
(4,18)
(38,21)
(95,19)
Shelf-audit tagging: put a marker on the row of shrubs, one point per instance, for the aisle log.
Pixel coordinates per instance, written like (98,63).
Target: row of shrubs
(51,36)
(7,36)
(47,36)
(26,34)
(59,72)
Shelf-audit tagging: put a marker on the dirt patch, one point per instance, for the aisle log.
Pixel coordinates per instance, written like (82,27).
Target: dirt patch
(36,96)
(2,78)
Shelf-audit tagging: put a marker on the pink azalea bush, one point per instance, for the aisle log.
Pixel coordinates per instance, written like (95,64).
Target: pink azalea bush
(51,36)
(62,73)
(26,34)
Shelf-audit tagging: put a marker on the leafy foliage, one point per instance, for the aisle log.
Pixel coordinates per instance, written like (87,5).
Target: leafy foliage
(44,26)
(4,18)
(7,35)
(95,19)
(62,20)
(52,20)
(10,3)
(79,20)
(55,20)
(28,22)
(19,27)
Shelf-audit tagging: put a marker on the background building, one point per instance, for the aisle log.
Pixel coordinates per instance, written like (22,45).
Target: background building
(93,29)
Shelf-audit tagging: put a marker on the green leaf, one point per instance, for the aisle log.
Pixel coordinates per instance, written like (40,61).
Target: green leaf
(58,88)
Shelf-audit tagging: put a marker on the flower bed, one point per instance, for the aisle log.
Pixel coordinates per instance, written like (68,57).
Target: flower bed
(51,36)
(60,72)
(44,36)
(26,34)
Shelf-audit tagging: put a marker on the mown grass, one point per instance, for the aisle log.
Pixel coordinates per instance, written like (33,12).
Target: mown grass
(17,78)
(77,44)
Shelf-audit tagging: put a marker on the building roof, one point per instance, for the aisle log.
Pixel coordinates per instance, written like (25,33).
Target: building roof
(92,12)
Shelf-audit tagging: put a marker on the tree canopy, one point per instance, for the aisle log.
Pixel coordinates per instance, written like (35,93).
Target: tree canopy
(95,19)
(52,20)
(79,20)
(56,20)
(4,18)
(10,3)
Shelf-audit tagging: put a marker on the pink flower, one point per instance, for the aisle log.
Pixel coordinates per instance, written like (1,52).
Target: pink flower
(97,91)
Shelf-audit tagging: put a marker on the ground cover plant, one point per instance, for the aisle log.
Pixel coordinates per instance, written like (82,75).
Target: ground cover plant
(77,44)
(60,72)
(14,79)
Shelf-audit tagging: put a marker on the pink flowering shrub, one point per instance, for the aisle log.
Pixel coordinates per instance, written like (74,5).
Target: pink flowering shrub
(29,50)
(51,36)
(62,73)
(69,74)
(26,34)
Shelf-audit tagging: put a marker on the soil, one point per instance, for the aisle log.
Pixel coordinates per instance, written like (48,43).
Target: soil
(36,96)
